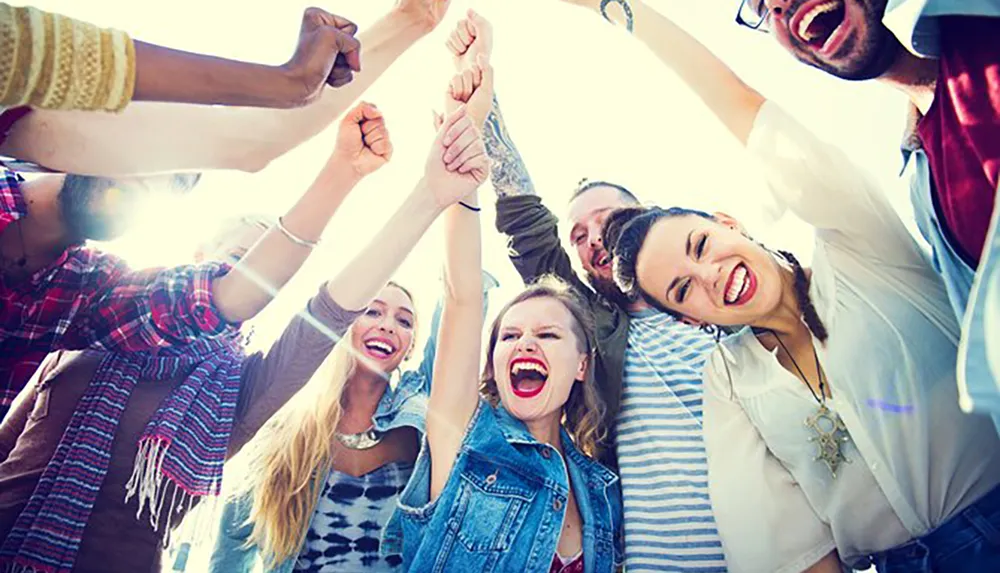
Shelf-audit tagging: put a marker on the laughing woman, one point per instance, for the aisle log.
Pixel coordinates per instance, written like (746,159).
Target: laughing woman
(507,479)
(328,468)
(831,423)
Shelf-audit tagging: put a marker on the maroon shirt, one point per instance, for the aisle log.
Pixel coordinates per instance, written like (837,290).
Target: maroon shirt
(114,540)
(961,131)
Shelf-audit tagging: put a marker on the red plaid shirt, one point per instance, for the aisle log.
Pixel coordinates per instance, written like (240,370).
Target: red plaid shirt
(91,299)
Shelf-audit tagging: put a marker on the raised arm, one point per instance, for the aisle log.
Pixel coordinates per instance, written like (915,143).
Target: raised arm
(725,94)
(455,392)
(125,310)
(107,69)
(471,39)
(196,138)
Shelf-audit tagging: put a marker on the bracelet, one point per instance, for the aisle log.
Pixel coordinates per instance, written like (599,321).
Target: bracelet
(629,20)
(294,238)
(469,207)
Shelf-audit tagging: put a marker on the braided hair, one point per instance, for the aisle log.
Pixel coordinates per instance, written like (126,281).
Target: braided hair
(801,287)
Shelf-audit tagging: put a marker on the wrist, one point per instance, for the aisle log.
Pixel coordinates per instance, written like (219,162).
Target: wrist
(425,200)
(341,174)
(288,88)
(413,21)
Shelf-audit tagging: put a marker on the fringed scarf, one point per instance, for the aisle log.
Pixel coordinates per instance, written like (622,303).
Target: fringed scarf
(180,458)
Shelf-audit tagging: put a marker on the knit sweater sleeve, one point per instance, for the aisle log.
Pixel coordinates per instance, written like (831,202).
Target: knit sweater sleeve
(51,61)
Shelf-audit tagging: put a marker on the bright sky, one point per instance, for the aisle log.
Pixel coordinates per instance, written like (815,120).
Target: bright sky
(581,99)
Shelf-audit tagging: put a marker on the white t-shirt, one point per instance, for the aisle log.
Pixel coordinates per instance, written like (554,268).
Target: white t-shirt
(915,458)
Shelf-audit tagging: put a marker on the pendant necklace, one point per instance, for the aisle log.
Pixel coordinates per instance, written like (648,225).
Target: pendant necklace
(830,432)
(365,440)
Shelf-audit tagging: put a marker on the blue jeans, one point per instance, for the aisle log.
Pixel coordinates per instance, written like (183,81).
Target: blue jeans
(966,543)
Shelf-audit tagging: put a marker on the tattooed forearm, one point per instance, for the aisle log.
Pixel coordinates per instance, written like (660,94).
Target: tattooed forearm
(508,173)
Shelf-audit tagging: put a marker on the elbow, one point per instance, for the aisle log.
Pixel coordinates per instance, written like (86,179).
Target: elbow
(253,159)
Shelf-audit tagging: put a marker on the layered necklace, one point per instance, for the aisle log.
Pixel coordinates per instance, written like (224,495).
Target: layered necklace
(829,431)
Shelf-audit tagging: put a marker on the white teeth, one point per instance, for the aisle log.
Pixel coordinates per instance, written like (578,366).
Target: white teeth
(522,366)
(738,284)
(811,15)
(381,346)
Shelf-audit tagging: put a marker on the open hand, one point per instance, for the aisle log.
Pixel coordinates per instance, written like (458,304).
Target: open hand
(472,37)
(362,140)
(457,164)
(327,53)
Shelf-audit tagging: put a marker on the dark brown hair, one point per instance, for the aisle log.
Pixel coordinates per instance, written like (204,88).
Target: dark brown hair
(625,232)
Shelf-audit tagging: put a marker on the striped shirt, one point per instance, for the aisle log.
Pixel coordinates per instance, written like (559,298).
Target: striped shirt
(661,453)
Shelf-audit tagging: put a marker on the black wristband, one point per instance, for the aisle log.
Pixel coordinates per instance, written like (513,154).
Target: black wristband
(469,207)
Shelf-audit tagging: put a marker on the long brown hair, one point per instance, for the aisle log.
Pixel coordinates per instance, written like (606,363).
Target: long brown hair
(584,411)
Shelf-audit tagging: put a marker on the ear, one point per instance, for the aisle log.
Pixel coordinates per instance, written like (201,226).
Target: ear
(729,221)
(581,371)
(199,255)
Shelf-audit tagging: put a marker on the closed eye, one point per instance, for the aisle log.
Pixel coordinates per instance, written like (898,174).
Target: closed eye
(683,291)
(699,248)
(372,312)
(552,335)
(508,336)
(405,322)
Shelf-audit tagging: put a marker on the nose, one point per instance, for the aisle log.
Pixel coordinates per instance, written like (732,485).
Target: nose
(594,235)
(527,345)
(710,275)
(386,325)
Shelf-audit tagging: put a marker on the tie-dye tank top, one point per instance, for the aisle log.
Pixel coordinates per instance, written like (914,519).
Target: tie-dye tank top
(347,525)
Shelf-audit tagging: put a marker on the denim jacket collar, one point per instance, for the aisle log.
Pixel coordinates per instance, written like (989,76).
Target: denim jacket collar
(395,397)
(516,432)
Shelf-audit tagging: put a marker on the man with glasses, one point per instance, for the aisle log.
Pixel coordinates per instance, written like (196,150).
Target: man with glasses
(945,56)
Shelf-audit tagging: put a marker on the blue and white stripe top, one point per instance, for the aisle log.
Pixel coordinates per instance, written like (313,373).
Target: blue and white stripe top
(664,470)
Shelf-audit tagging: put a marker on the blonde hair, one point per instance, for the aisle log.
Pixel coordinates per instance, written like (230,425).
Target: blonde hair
(584,411)
(292,456)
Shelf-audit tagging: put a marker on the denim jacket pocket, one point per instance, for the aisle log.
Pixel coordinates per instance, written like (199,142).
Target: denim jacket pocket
(490,506)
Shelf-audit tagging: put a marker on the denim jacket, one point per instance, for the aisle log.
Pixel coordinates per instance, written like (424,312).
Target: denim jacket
(973,293)
(405,404)
(503,505)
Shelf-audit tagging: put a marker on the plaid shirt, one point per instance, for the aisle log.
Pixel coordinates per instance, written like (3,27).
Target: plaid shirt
(91,299)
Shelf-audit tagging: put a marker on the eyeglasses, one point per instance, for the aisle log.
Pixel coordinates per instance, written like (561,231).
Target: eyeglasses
(754,14)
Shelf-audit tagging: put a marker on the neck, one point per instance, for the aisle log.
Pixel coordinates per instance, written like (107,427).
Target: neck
(41,230)
(786,318)
(362,393)
(637,306)
(915,77)
(546,430)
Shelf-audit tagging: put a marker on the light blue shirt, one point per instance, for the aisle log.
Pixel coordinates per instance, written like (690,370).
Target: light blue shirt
(972,294)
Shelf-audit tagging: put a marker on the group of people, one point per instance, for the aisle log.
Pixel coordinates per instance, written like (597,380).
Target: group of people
(695,402)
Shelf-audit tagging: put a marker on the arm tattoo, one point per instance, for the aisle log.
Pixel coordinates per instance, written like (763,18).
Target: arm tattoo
(508,172)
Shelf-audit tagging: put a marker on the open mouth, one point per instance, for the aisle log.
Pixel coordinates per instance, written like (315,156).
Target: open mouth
(816,24)
(741,286)
(527,377)
(379,348)
(601,260)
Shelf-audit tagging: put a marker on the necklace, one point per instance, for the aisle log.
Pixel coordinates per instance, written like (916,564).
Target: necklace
(829,429)
(365,440)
